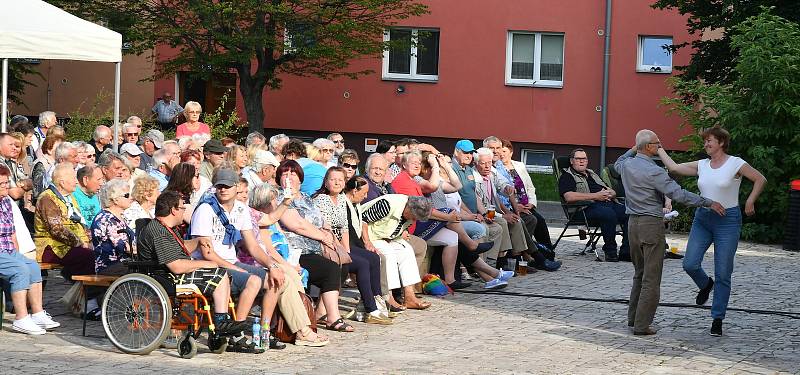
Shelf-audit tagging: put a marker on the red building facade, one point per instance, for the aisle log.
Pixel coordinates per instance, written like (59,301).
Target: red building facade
(480,79)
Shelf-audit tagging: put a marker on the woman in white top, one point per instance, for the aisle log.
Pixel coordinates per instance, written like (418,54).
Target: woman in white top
(145,192)
(719,178)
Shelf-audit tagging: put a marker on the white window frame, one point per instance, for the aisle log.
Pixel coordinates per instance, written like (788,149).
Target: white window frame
(542,169)
(654,69)
(537,61)
(412,76)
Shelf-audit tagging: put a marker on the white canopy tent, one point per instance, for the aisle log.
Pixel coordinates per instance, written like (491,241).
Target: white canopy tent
(35,29)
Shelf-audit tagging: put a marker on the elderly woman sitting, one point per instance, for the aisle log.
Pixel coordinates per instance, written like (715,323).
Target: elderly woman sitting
(265,211)
(23,274)
(59,231)
(388,219)
(145,193)
(110,231)
(307,231)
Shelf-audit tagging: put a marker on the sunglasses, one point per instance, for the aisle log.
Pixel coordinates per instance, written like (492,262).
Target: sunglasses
(130,134)
(349,166)
(327,150)
(91,156)
(126,195)
(341,141)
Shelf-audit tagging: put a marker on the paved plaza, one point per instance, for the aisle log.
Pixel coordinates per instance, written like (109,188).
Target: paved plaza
(495,334)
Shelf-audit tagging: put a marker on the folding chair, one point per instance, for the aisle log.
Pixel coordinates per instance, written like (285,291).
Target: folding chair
(574,212)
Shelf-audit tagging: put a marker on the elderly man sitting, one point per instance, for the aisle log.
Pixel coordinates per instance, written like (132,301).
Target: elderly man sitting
(23,274)
(376,171)
(261,169)
(101,139)
(578,183)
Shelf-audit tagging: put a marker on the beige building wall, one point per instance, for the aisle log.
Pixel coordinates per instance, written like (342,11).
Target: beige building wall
(70,86)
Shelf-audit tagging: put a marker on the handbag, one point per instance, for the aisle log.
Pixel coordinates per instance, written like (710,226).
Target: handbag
(338,254)
(282,331)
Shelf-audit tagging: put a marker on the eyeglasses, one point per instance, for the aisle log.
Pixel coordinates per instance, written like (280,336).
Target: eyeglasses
(130,134)
(193,112)
(340,141)
(349,166)
(91,156)
(327,150)
(126,195)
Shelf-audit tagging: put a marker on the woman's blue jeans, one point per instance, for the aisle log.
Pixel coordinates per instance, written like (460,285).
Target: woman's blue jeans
(723,231)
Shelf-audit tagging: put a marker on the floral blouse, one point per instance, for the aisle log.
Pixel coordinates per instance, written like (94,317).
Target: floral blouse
(109,244)
(335,214)
(305,207)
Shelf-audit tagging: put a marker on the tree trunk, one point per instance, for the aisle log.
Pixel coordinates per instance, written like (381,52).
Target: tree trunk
(252,91)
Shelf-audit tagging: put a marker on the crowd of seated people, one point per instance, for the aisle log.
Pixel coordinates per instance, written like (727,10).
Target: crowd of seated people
(264,220)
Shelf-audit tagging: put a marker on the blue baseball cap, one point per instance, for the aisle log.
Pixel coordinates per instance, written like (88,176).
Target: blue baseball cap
(465,145)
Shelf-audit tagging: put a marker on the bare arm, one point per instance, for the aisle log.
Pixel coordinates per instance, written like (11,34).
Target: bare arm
(759,181)
(211,255)
(275,215)
(683,169)
(574,196)
(293,222)
(188,265)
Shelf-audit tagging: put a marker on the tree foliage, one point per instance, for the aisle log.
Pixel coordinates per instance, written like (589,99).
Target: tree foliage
(257,39)
(18,73)
(760,108)
(713,59)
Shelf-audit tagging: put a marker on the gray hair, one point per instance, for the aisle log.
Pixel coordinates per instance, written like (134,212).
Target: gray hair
(108,156)
(322,142)
(262,196)
(201,138)
(127,125)
(44,116)
(330,136)
(62,170)
(112,189)
(63,150)
(491,139)
(160,157)
(420,208)
(131,119)
(100,132)
(371,157)
(183,142)
(275,139)
(252,137)
(193,104)
(411,154)
(483,151)
(643,137)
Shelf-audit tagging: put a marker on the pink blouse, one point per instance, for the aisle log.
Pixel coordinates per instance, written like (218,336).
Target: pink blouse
(183,130)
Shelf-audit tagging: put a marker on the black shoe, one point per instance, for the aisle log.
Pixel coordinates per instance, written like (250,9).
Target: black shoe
(230,327)
(612,257)
(456,285)
(275,344)
(646,332)
(702,295)
(671,255)
(483,247)
(716,328)
(243,345)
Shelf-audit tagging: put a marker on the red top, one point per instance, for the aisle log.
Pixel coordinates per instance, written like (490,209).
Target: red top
(796,185)
(183,130)
(404,184)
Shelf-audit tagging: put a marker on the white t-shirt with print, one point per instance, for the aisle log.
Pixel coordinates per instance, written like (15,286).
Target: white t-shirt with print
(206,224)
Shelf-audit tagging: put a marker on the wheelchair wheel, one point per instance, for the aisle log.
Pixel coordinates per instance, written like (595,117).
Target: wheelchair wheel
(137,314)
(217,344)
(187,346)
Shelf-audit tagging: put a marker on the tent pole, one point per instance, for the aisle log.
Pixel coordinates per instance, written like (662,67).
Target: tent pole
(116,103)
(5,95)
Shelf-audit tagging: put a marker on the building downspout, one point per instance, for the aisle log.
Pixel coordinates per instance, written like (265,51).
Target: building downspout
(604,105)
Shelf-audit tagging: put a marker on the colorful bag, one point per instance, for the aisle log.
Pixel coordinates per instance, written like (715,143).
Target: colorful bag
(433,285)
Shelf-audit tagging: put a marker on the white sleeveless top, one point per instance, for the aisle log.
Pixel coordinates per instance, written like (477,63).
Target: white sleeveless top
(720,184)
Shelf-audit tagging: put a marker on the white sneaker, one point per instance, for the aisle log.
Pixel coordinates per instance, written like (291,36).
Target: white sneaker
(27,325)
(495,284)
(505,275)
(44,320)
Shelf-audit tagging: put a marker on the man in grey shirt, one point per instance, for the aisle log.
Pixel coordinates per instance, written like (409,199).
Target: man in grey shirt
(646,185)
(166,111)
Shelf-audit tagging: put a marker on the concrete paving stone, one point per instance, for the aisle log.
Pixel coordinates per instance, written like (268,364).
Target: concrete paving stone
(491,334)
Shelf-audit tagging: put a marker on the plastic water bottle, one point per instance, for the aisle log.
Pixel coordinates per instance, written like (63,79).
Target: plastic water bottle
(257,333)
(265,335)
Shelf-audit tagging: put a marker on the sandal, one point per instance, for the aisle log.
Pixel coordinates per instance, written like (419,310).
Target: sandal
(419,305)
(317,341)
(340,326)
(322,320)
(396,309)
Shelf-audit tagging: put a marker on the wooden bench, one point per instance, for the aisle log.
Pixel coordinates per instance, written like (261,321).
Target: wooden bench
(50,266)
(92,280)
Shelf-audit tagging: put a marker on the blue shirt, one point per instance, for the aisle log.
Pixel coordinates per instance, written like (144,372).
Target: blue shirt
(162,178)
(313,175)
(89,206)
(467,191)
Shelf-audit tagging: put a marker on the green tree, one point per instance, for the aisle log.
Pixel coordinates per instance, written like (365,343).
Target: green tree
(761,110)
(18,72)
(257,39)
(713,59)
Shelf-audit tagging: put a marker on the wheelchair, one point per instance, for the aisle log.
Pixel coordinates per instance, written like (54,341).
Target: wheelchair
(141,308)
